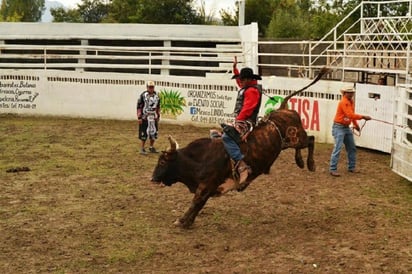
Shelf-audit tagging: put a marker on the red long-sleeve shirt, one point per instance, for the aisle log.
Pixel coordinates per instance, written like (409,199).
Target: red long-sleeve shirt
(250,102)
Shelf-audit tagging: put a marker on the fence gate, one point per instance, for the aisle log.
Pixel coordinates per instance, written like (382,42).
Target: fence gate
(376,101)
(401,161)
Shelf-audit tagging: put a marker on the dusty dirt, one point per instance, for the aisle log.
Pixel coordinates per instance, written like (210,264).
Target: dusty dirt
(86,205)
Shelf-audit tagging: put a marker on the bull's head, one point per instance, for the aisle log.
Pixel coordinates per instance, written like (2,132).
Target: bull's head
(166,169)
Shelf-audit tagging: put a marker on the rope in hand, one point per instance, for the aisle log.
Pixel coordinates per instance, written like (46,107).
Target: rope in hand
(382,121)
(358,133)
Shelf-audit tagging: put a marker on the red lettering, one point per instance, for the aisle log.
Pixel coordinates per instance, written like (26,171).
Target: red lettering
(293,102)
(309,114)
(305,108)
(315,116)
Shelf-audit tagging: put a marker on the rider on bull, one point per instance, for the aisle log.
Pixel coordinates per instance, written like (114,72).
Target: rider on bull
(246,111)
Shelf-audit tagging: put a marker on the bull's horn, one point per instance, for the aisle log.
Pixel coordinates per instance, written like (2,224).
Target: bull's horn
(173,144)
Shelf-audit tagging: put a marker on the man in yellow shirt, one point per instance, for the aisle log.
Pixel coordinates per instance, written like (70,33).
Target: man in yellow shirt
(342,133)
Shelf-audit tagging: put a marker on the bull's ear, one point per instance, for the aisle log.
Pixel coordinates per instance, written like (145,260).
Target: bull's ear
(173,144)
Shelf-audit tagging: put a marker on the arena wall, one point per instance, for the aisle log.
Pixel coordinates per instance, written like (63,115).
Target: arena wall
(201,101)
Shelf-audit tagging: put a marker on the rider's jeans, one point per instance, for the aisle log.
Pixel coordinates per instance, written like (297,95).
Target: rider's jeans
(232,148)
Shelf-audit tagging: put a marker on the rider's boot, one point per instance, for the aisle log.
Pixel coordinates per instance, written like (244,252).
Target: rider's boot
(243,170)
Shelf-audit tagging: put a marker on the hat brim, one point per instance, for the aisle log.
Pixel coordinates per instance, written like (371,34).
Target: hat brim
(254,77)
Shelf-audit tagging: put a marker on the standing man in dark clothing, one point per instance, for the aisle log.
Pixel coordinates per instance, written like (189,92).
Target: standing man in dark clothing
(246,110)
(148,116)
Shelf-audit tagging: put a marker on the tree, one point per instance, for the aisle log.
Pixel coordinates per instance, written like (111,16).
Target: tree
(93,11)
(287,24)
(305,19)
(122,11)
(324,18)
(206,19)
(229,18)
(154,12)
(88,11)
(259,11)
(21,10)
(167,12)
(66,15)
(297,19)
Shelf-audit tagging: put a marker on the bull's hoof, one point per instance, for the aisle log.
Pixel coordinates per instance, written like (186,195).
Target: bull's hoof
(311,166)
(224,188)
(300,163)
(177,223)
(182,224)
(242,186)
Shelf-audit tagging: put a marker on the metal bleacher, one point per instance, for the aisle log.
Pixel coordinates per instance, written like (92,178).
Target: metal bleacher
(377,43)
(131,48)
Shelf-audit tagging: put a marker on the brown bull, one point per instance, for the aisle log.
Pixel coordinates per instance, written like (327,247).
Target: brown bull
(204,166)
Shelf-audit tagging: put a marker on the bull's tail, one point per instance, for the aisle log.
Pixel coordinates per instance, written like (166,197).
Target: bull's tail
(322,72)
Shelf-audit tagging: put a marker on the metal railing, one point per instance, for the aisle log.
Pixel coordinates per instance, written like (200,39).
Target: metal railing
(110,58)
(377,42)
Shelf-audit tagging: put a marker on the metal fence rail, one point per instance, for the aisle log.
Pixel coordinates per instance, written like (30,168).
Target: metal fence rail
(90,58)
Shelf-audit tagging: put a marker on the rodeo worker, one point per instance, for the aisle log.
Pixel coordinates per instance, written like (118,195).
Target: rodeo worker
(246,111)
(342,133)
(148,116)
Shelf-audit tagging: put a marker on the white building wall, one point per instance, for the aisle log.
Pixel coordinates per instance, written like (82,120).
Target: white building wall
(117,31)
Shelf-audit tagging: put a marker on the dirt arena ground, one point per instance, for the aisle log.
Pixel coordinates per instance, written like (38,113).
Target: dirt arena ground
(76,197)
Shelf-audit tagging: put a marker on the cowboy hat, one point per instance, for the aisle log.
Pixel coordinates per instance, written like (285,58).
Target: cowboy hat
(150,84)
(349,89)
(247,73)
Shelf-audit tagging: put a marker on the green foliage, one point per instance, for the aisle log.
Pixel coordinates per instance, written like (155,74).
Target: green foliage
(255,11)
(229,18)
(88,11)
(154,12)
(21,10)
(63,15)
(171,102)
(93,11)
(308,20)
(167,12)
(259,11)
(122,11)
(287,24)
(322,23)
